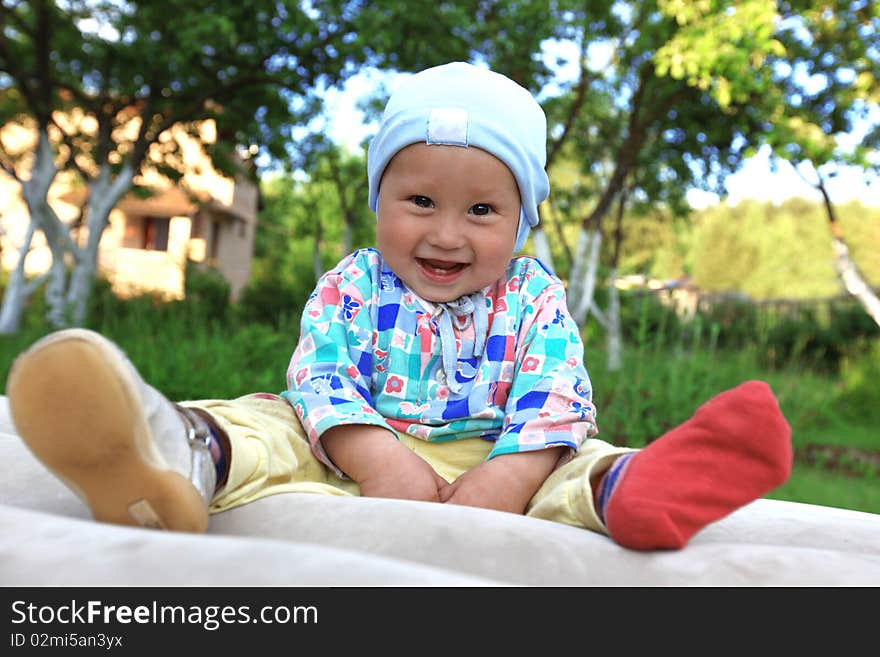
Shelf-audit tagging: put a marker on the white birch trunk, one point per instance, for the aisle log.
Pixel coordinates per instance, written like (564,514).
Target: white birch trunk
(35,192)
(17,289)
(588,287)
(612,326)
(576,276)
(56,288)
(14,299)
(853,282)
(104,193)
(542,247)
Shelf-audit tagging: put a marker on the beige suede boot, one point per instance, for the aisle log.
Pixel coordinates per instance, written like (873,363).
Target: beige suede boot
(130,454)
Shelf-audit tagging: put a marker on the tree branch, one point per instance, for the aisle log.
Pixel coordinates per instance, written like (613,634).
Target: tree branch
(31,286)
(70,161)
(577,103)
(635,138)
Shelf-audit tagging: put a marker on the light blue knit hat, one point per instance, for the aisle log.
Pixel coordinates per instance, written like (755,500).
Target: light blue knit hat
(464,105)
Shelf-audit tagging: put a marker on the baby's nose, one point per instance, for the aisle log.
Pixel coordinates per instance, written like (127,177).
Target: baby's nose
(447,232)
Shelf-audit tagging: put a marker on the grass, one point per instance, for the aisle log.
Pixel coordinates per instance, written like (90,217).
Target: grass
(834,416)
(817,486)
(661,383)
(656,391)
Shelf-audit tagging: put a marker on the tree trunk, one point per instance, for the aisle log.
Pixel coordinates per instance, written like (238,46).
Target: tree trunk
(613,329)
(17,289)
(578,266)
(850,276)
(35,192)
(559,233)
(853,281)
(614,334)
(104,193)
(542,247)
(347,239)
(56,291)
(587,262)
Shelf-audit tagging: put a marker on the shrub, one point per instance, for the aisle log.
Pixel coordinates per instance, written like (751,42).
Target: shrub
(737,321)
(644,316)
(207,290)
(273,301)
(859,373)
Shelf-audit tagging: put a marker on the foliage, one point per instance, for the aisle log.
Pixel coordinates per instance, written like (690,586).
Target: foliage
(326,209)
(826,79)
(110,87)
(654,120)
(825,335)
(667,94)
(860,371)
(208,290)
(643,315)
(252,69)
(275,300)
(769,251)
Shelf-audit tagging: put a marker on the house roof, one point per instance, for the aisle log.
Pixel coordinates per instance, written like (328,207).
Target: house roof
(169,202)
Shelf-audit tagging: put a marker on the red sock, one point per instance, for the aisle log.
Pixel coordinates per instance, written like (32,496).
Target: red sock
(735,448)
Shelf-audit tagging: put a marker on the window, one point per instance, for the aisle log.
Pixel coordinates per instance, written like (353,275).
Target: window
(150,233)
(155,235)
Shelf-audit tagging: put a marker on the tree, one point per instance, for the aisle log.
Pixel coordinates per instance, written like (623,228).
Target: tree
(127,73)
(507,36)
(664,114)
(325,215)
(824,112)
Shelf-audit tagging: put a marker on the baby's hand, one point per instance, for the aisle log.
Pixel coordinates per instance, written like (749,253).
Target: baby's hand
(504,483)
(381,465)
(402,475)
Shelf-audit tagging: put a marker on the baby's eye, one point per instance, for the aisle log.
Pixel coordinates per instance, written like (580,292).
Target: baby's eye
(421,201)
(481,209)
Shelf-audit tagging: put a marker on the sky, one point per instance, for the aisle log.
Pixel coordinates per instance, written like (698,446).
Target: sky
(756,180)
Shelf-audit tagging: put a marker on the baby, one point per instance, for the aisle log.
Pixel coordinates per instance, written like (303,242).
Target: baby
(436,367)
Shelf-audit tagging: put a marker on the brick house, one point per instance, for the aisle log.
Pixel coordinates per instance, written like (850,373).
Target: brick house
(207,218)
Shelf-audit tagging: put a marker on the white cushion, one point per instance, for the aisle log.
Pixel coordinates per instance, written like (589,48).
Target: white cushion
(48,538)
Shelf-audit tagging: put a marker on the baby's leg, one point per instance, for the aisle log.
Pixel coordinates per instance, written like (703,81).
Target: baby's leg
(270,452)
(132,456)
(733,450)
(567,494)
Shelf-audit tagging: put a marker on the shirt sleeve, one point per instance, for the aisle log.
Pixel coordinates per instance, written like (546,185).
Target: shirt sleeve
(550,401)
(328,379)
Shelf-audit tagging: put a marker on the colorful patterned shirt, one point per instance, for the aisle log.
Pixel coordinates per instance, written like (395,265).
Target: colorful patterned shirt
(369,353)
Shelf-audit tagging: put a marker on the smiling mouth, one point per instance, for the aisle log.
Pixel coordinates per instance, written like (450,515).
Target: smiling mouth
(440,269)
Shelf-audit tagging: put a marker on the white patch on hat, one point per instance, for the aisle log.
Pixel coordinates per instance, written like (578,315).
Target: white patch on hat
(448,125)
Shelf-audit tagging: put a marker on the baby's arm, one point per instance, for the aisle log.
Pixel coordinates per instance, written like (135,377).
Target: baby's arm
(380,464)
(548,411)
(506,482)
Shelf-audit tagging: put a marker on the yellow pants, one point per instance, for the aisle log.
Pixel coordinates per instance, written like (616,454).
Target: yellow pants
(271,455)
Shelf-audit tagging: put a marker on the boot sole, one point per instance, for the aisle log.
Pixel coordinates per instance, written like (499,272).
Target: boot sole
(78,411)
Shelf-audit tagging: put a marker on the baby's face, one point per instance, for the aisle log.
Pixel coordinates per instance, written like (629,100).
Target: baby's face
(447,219)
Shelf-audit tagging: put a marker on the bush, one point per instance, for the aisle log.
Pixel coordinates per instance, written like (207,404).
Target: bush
(644,316)
(849,321)
(859,373)
(821,335)
(273,301)
(207,290)
(801,337)
(736,320)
